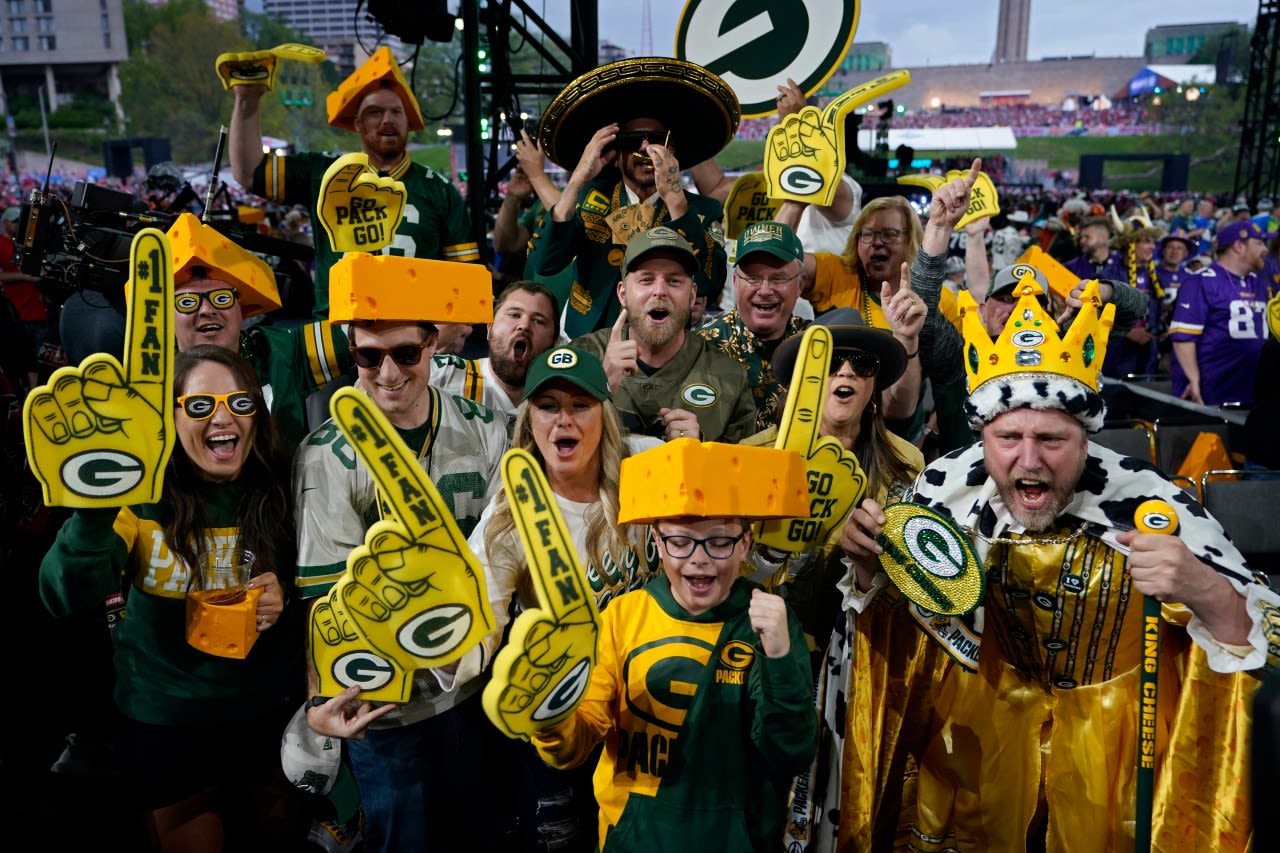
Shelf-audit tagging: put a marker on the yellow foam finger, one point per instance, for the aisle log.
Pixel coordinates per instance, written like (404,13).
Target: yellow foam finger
(929,182)
(359,209)
(802,417)
(835,479)
(352,661)
(833,115)
(540,676)
(298,52)
(419,548)
(256,67)
(983,198)
(118,419)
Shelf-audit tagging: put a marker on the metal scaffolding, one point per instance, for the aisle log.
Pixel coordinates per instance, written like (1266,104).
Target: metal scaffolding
(1258,169)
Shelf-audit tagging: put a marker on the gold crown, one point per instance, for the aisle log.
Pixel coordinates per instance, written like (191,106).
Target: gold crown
(1030,342)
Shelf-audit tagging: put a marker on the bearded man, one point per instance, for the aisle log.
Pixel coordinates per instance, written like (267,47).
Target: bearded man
(526,323)
(668,382)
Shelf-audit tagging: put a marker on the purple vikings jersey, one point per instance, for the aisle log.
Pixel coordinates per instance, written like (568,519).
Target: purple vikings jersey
(1225,316)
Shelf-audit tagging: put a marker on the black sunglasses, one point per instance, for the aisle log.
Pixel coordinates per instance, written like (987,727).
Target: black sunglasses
(864,364)
(628,139)
(406,355)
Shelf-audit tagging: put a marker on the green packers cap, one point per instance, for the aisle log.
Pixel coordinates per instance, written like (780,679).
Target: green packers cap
(772,238)
(571,364)
(661,238)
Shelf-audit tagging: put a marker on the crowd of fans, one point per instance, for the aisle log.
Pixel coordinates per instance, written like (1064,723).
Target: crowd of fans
(1161,255)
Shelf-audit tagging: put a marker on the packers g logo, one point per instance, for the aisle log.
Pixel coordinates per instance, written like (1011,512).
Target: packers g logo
(1028,338)
(737,655)
(934,547)
(700,396)
(801,180)
(565,696)
(929,560)
(562,359)
(666,673)
(435,632)
(101,473)
(1019,270)
(366,669)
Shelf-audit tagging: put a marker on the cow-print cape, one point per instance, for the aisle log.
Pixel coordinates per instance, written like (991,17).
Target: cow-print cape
(1110,489)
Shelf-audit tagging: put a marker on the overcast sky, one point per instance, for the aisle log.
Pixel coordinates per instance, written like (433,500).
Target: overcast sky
(942,32)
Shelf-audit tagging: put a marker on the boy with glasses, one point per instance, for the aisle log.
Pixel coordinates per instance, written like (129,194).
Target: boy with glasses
(701,687)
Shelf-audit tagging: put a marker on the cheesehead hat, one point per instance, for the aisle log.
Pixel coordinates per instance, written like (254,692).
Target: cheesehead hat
(685,477)
(410,290)
(197,245)
(379,71)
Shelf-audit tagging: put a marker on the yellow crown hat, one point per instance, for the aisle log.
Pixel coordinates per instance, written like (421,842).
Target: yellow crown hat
(196,244)
(689,478)
(1030,365)
(410,290)
(379,71)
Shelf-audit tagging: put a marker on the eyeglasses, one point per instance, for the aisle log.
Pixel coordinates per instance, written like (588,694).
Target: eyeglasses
(200,407)
(864,364)
(888,236)
(406,355)
(717,547)
(221,298)
(772,281)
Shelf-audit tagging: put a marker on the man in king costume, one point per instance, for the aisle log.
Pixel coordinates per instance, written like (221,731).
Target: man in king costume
(1017,726)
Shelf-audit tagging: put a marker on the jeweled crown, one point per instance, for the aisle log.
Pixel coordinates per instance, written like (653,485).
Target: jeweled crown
(1030,342)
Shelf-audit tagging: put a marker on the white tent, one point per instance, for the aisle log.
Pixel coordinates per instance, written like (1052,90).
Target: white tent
(974,139)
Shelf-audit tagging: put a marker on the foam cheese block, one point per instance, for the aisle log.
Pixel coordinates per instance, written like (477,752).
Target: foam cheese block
(390,287)
(197,244)
(343,103)
(712,480)
(225,630)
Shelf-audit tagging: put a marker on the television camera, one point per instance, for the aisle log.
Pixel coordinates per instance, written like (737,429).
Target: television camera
(83,243)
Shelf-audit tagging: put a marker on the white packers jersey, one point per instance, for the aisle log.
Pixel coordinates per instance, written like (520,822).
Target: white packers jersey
(335,496)
(473,379)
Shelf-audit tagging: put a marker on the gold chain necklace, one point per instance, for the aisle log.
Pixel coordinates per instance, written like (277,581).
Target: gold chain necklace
(1046,540)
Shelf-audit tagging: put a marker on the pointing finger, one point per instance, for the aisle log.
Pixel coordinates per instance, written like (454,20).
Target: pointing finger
(148,343)
(558,579)
(798,429)
(619,332)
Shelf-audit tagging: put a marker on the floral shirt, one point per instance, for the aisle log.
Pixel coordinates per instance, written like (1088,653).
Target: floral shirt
(735,340)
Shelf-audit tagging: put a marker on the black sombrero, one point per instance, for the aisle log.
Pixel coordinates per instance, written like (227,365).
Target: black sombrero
(699,108)
(848,332)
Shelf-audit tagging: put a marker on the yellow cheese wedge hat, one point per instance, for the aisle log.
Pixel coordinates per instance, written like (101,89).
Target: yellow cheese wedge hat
(411,290)
(686,477)
(380,71)
(196,244)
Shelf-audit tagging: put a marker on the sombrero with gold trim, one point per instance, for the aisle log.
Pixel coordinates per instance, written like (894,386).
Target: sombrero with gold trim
(699,108)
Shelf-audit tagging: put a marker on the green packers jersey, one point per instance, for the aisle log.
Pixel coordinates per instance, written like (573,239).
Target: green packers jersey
(293,362)
(461,445)
(435,222)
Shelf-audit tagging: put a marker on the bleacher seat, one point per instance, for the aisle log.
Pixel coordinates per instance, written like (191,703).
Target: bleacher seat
(1131,436)
(1174,435)
(1244,502)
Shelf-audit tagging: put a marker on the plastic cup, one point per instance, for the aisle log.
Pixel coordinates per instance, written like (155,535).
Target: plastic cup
(222,575)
